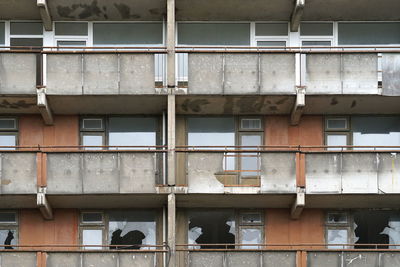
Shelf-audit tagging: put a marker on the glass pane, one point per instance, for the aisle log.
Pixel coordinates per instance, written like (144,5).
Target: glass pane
(8,237)
(92,237)
(251,124)
(369,33)
(336,140)
(71,43)
(26,42)
(8,217)
(8,124)
(8,140)
(211,227)
(250,161)
(271,43)
(92,124)
(251,218)
(71,28)
(271,29)
(337,236)
(336,124)
(132,132)
(92,217)
(92,140)
(316,43)
(393,231)
(26,28)
(338,217)
(314,29)
(214,33)
(2,32)
(376,131)
(251,236)
(127,33)
(132,228)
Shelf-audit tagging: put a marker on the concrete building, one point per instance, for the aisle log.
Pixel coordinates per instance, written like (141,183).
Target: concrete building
(199,133)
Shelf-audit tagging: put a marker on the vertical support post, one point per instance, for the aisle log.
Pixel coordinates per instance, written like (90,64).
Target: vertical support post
(172,229)
(300,170)
(301,258)
(171,140)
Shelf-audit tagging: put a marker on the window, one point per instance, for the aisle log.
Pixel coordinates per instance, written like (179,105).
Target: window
(118,229)
(338,228)
(2,33)
(220,227)
(26,34)
(118,132)
(272,34)
(8,133)
(8,229)
(316,34)
(368,33)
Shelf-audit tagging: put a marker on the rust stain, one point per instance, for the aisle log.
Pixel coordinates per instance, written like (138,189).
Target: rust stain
(16,105)
(5,181)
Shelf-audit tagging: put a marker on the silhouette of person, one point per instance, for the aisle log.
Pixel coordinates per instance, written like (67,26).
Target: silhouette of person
(8,240)
(132,239)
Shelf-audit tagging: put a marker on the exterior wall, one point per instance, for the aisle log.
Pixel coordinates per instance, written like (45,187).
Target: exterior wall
(33,132)
(34,230)
(281,229)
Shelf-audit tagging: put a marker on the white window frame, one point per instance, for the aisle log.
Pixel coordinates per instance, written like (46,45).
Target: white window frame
(271,38)
(10,36)
(332,38)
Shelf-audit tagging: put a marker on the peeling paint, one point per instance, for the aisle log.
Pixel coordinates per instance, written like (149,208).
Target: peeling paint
(334,101)
(16,105)
(125,11)
(5,182)
(81,11)
(194,105)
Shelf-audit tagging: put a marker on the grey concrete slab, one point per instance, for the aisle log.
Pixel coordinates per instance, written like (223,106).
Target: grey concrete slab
(326,259)
(323,74)
(281,259)
(360,73)
(241,74)
(18,173)
(201,170)
(388,259)
(389,173)
(278,172)
(55,259)
(277,74)
(136,74)
(64,174)
(64,74)
(205,73)
(359,173)
(206,259)
(20,259)
(100,74)
(324,173)
(18,73)
(390,74)
(239,259)
(361,259)
(137,259)
(100,259)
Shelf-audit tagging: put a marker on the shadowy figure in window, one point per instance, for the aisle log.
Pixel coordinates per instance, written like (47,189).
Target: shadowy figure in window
(132,239)
(7,242)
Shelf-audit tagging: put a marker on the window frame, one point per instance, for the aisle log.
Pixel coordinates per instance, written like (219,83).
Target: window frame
(339,226)
(10,36)
(11,131)
(11,225)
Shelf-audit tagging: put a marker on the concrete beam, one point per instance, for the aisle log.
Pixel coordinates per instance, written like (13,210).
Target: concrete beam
(45,14)
(298,107)
(298,204)
(43,204)
(296,15)
(171,258)
(44,106)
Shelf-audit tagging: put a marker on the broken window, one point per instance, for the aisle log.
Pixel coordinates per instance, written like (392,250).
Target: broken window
(8,229)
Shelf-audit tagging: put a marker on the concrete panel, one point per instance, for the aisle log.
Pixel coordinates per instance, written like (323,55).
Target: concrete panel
(17,73)
(389,173)
(136,74)
(241,74)
(326,259)
(390,74)
(388,259)
(63,173)
(277,74)
(361,259)
(323,173)
(20,259)
(278,172)
(359,173)
(137,172)
(206,259)
(239,259)
(360,73)
(205,73)
(18,173)
(137,259)
(323,74)
(201,169)
(55,259)
(100,173)
(281,259)
(100,259)
(64,74)
(100,74)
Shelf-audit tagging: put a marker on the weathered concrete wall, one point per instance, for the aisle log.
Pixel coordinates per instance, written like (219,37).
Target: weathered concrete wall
(357,259)
(278,172)
(18,73)
(91,173)
(18,173)
(103,259)
(349,173)
(100,74)
(20,259)
(390,74)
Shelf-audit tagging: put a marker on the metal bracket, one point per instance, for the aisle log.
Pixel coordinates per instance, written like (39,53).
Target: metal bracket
(43,204)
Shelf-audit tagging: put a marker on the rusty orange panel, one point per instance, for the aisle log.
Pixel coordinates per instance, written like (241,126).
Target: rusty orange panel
(30,130)
(276,130)
(300,170)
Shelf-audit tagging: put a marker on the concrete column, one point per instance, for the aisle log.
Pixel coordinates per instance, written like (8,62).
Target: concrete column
(171,140)
(171,229)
